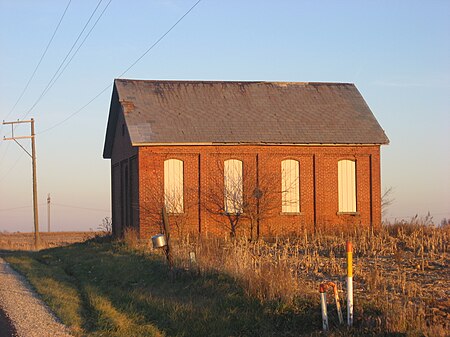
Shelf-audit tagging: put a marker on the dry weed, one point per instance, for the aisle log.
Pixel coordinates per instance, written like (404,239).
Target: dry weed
(400,270)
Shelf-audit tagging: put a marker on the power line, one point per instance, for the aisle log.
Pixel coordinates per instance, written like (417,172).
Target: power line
(60,205)
(53,79)
(125,71)
(40,60)
(109,85)
(6,150)
(15,208)
(20,207)
(77,111)
(36,68)
(44,92)
(159,40)
(80,207)
(11,168)
(80,45)
(70,60)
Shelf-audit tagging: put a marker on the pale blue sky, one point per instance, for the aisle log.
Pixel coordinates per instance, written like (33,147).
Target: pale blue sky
(396,52)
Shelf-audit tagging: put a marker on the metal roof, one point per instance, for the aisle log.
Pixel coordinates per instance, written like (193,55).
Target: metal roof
(198,112)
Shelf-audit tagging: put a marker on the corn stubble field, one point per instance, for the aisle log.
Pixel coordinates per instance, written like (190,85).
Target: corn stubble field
(401,274)
(241,288)
(25,241)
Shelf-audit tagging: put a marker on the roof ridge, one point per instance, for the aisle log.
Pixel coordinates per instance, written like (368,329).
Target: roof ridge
(281,83)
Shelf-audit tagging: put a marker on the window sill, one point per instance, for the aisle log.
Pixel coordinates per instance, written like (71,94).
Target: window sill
(348,213)
(291,213)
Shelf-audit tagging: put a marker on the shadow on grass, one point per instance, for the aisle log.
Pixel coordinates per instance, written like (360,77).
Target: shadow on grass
(102,288)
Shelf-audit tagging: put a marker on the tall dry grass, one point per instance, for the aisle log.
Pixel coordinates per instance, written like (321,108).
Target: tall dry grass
(398,272)
(264,272)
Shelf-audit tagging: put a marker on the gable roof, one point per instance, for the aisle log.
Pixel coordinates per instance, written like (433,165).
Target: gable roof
(205,112)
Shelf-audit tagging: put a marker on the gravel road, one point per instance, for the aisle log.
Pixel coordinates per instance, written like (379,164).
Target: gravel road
(29,315)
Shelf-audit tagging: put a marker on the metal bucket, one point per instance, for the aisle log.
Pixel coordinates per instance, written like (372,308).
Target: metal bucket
(159,241)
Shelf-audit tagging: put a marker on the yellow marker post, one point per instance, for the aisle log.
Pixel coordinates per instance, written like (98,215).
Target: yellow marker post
(349,284)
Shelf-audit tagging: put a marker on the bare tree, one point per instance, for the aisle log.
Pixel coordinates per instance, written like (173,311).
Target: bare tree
(226,200)
(241,199)
(386,200)
(169,192)
(244,200)
(177,208)
(106,225)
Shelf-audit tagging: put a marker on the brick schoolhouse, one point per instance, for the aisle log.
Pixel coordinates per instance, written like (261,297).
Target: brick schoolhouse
(254,158)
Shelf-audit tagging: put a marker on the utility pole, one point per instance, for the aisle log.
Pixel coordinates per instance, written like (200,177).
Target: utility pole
(48,212)
(33,163)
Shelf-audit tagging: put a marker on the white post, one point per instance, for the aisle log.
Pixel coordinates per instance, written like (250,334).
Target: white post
(323,304)
(338,304)
(349,284)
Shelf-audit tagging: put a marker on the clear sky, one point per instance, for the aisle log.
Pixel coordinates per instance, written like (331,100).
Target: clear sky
(396,52)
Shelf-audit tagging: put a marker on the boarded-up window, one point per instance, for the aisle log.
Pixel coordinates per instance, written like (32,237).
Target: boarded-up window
(173,185)
(290,186)
(347,185)
(233,186)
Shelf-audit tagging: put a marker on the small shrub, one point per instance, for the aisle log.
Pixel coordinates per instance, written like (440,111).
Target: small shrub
(131,238)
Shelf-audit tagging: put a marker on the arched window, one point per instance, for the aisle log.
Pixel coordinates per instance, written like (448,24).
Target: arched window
(173,185)
(290,186)
(233,186)
(347,186)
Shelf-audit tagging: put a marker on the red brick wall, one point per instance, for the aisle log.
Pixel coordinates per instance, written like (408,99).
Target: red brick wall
(318,187)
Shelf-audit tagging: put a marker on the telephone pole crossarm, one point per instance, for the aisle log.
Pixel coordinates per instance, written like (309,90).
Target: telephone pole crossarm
(17,122)
(19,137)
(12,129)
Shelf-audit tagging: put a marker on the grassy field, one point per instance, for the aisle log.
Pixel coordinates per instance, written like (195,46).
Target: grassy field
(25,241)
(106,289)
(241,288)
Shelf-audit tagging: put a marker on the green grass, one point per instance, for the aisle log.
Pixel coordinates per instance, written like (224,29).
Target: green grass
(105,289)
